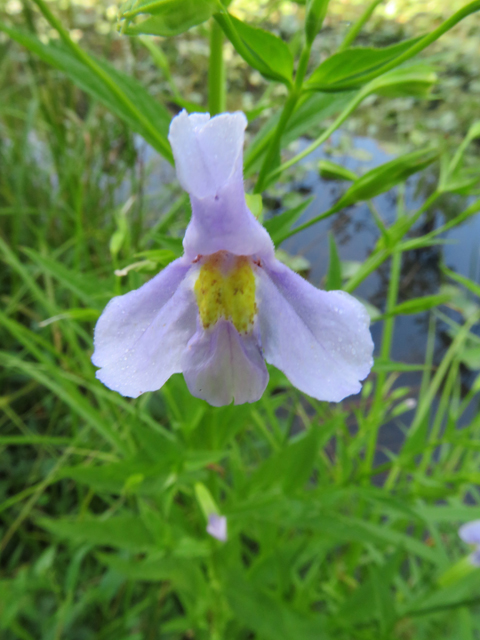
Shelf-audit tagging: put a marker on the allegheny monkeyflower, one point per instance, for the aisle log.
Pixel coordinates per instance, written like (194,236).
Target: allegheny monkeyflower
(227,305)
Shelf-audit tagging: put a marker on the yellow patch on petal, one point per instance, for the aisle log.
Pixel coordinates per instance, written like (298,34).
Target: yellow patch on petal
(225,288)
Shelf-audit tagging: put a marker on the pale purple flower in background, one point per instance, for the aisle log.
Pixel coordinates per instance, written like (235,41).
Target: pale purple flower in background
(227,305)
(217,527)
(470,533)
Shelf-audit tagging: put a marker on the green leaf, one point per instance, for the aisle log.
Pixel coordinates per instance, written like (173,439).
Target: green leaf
(262,50)
(127,476)
(168,17)
(333,171)
(138,109)
(185,575)
(334,274)
(391,365)
(296,460)
(85,287)
(122,532)
(383,178)
(415,80)
(363,605)
(467,283)
(347,69)
(418,305)
(315,14)
(270,617)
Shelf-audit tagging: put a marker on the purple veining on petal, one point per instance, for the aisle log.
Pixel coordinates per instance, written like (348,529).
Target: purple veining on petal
(470,532)
(221,366)
(160,335)
(217,527)
(319,339)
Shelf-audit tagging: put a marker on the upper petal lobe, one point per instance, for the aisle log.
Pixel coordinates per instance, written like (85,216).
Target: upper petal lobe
(319,339)
(208,151)
(209,162)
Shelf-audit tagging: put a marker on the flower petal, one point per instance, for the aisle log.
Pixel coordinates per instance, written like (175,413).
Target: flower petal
(470,532)
(217,527)
(225,223)
(140,337)
(220,365)
(207,151)
(319,339)
(209,162)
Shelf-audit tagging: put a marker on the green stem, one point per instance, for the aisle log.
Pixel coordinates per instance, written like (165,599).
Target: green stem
(103,75)
(353,32)
(288,109)
(216,72)
(359,97)
(274,146)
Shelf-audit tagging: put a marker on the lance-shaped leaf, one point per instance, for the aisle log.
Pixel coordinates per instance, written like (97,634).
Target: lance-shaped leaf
(262,50)
(168,17)
(347,69)
(316,12)
(333,171)
(415,80)
(417,305)
(383,178)
(130,102)
(334,274)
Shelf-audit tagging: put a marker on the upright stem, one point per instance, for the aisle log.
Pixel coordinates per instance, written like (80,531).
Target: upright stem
(288,109)
(216,71)
(353,32)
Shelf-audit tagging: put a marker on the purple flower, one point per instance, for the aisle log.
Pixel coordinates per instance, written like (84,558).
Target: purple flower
(470,533)
(217,527)
(227,305)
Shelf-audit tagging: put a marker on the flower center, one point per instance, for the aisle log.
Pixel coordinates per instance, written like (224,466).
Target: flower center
(225,288)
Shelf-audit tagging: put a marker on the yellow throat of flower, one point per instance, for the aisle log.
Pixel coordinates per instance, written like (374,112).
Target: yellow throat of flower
(225,288)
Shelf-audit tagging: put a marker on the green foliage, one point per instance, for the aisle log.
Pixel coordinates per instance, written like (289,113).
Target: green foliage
(262,50)
(104,500)
(388,175)
(316,10)
(349,67)
(168,17)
